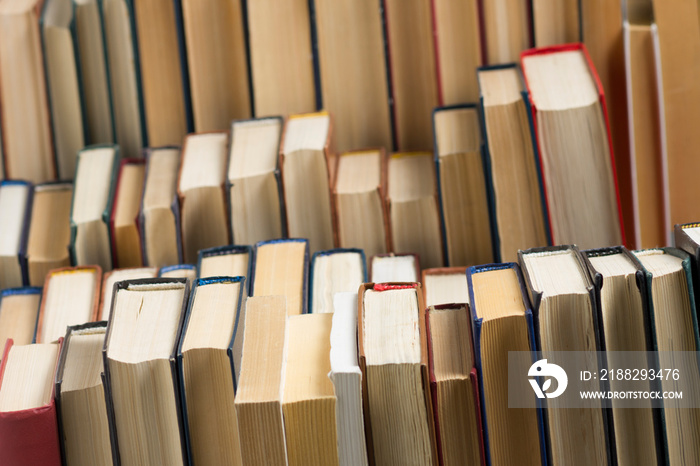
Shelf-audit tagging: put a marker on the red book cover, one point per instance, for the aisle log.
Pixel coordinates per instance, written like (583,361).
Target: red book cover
(473,382)
(30,436)
(601,98)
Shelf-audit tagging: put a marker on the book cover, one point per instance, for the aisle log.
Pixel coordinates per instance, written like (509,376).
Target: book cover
(329,253)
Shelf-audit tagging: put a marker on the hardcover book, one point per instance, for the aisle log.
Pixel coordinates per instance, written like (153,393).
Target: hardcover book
(208,366)
(358,196)
(19,312)
(159,217)
(15,211)
(117,275)
(462,186)
(334,271)
(48,240)
(201,192)
(445,285)
(281,267)
(188,271)
(27,405)
(305,163)
(124,218)
(93,195)
(384,268)
(254,184)
(80,397)
(71,296)
(141,374)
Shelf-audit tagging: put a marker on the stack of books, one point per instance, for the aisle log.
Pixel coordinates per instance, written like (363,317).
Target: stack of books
(310,232)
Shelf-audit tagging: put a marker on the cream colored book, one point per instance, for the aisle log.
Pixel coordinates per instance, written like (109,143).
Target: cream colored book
(462,186)
(358,192)
(393,353)
(15,202)
(80,395)
(179,271)
(281,58)
(126,238)
(308,397)
(306,179)
(117,275)
(127,103)
(201,192)
(71,297)
(445,286)
(353,76)
(19,311)
(507,30)
(92,203)
(159,214)
(139,353)
(26,123)
(253,182)
(334,271)
(282,268)
(49,230)
(209,364)
(62,83)
(413,207)
(225,261)
(259,395)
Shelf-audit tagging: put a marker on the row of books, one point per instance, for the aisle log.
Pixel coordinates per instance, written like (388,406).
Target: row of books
(504,176)
(236,373)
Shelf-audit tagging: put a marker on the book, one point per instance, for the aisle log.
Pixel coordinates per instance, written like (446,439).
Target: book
(565,313)
(502,322)
(461,186)
(80,397)
(624,326)
(48,239)
(413,206)
(111,278)
(215,37)
(93,195)
(445,285)
(305,162)
(458,49)
(188,271)
(518,207)
(225,261)
(281,267)
(679,39)
(26,124)
(160,210)
(350,56)
(408,33)
(601,31)
(19,311)
(346,376)
(556,22)
(687,238)
(674,324)
(253,184)
(507,30)
(650,202)
(208,367)
(281,57)
(393,353)
(358,192)
(454,384)
(92,65)
(62,83)
(15,210)
(165,89)
(123,222)
(201,192)
(27,405)
(71,296)
(120,40)
(140,371)
(334,271)
(384,268)
(573,138)
(259,395)
(309,402)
